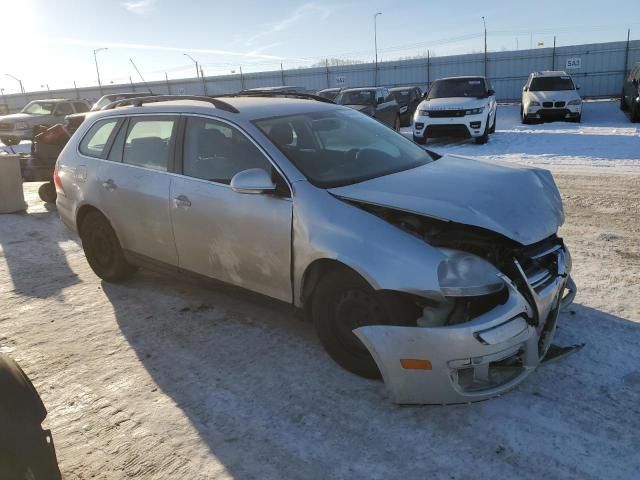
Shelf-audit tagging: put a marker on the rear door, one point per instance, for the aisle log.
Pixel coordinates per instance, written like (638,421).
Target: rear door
(135,184)
(238,238)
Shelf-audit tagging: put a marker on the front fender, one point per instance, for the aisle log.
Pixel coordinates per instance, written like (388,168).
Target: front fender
(389,258)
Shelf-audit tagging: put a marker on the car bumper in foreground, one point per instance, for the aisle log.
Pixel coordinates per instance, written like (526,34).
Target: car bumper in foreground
(468,126)
(472,361)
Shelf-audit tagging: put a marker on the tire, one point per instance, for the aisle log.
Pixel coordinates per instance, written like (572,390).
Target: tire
(523,119)
(343,301)
(635,112)
(396,123)
(10,141)
(578,119)
(420,140)
(47,192)
(485,136)
(493,125)
(623,103)
(102,249)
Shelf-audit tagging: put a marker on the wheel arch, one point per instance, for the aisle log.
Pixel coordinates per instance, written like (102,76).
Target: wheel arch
(314,272)
(82,213)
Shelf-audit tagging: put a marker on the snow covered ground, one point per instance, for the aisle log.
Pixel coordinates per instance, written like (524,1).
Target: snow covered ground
(162,378)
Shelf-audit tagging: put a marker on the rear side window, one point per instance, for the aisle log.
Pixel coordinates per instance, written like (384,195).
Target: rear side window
(147,143)
(80,107)
(95,142)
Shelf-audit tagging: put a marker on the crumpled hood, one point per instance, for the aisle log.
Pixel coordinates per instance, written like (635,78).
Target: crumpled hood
(455,103)
(521,203)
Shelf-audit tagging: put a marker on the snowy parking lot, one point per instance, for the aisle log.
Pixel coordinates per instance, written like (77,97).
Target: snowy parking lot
(164,378)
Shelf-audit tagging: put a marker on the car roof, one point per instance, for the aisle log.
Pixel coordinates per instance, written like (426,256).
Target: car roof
(360,89)
(249,108)
(550,73)
(463,77)
(398,89)
(56,100)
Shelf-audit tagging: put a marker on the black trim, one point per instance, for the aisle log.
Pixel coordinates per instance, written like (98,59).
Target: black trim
(139,101)
(122,124)
(271,94)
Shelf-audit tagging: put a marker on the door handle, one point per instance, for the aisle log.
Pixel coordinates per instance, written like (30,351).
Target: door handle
(182,201)
(109,185)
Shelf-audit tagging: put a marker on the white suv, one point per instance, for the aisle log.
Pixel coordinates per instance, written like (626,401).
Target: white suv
(456,106)
(550,96)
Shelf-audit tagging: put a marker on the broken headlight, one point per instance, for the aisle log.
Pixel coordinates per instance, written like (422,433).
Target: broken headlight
(462,274)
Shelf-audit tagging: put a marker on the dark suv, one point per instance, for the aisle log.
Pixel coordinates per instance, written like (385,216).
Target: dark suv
(378,103)
(630,99)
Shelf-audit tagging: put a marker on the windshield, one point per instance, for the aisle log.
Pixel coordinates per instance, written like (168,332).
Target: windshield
(341,147)
(401,96)
(457,87)
(39,108)
(356,97)
(549,84)
(328,94)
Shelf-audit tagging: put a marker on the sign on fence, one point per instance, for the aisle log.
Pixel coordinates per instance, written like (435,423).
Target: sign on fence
(574,62)
(339,79)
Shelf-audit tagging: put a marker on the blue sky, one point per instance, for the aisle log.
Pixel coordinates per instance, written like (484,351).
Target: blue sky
(52,42)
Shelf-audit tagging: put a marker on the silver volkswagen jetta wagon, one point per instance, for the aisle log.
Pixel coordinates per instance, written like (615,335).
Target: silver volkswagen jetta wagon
(444,275)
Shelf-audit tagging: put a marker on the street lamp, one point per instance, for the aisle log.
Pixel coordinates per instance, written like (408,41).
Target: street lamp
(194,61)
(95,58)
(17,80)
(375,42)
(484,24)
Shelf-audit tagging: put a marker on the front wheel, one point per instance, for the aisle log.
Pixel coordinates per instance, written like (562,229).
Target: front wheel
(493,125)
(420,140)
(344,301)
(635,112)
(623,103)
(102,249)
(485,136)
(10,141)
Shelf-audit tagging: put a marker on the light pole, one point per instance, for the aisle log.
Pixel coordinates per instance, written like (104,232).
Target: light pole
(196,63)
(485,46)
(17,80)
(375,42)
(95,58)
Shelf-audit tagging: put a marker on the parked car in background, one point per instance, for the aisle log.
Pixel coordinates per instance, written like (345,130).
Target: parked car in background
(329,93)
(456,107)
(630,99)
(378,103)
(445,277)
(73,121)
(550,95)
(19,126)
(280,89)
(408,99)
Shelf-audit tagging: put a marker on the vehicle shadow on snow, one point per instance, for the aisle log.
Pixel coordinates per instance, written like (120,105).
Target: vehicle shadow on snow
(30,246)
(252,379)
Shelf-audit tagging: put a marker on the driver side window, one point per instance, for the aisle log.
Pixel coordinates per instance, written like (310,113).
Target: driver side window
(216,151)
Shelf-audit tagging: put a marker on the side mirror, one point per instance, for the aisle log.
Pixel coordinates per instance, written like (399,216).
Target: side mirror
(635,82)
(491,92)
(253,180)
(578,87)
(524,89)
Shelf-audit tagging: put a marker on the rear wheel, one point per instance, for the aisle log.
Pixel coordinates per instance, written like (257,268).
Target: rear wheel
(344,301)
(47,192)
(635,112)
(102,249)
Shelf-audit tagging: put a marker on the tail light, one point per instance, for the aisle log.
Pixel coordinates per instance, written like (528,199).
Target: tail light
(56,180)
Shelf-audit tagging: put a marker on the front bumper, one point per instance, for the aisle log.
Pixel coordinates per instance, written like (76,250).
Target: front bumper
(566,112)
(468,126)
(21,134)
(461,363)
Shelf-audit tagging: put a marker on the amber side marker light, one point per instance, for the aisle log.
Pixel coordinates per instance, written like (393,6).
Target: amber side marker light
(415,364)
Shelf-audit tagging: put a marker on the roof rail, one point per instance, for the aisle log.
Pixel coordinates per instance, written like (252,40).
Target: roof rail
(269,93)
(139,101)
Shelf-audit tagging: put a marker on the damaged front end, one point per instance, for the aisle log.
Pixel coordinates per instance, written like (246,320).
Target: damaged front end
(498,316)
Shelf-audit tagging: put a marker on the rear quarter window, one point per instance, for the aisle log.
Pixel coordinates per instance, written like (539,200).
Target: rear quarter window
(96,140)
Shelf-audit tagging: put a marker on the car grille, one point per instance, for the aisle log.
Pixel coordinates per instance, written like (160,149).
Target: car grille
(446,113)
(447,131)
(559,104)
(6,126)
(547,104)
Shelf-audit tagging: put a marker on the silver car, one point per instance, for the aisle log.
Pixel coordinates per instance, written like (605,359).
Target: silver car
(443,275)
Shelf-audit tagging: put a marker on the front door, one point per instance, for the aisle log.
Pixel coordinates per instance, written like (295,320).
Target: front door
(238,238)
(135,186)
